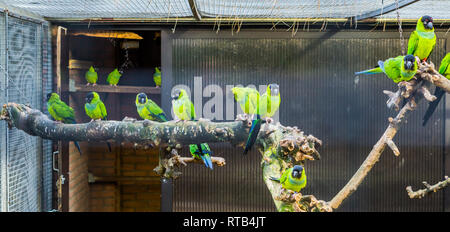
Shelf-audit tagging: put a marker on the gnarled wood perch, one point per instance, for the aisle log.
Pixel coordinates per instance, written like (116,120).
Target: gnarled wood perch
(429,188)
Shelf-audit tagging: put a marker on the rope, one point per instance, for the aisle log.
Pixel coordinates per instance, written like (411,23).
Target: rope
(400,30)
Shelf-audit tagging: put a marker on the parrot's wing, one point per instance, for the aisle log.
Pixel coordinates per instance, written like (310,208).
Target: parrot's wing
(412,43)
(192,111)
(284,176)
(444,64)
(103,110)
(64,111)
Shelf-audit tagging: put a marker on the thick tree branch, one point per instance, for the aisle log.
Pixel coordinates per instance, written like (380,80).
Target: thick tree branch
(429,188)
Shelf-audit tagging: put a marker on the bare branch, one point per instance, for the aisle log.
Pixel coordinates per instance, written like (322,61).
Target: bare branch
(429,189)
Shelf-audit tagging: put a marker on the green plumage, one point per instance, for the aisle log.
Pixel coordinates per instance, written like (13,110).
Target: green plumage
(183,107)
(91,76)
(149,109)
(394,68)
(444,69)
(269,104)
(203,152)
(421,41)
(289,182)
(95,109)
(157,77)
(60,111)
(114,77)
(248,99)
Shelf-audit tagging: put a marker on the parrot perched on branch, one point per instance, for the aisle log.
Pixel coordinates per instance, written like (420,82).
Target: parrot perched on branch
(400,68)
(203,152)
(114,77)
(184,110)
(61,112)
(261,106)
(423,40)
(248,99)
(91,76)
(270,101)
(95,109)
(182,105)
(157,77)
(293,179)
(148,109)
(444,69)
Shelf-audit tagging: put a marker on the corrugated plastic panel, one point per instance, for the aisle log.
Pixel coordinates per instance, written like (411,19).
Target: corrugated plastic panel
(320,95)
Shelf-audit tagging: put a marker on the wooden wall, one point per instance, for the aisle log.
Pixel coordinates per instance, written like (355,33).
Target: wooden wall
(121,180)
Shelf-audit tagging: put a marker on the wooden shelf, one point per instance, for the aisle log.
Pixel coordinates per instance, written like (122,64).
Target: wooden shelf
(113,89)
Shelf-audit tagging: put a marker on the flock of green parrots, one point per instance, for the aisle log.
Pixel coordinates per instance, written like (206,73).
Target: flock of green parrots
(403,68)
(262,107)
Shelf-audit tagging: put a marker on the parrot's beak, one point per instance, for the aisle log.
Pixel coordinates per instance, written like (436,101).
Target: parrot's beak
(275,92)
(295,174)
(142,100)
(409,65)
(429,25)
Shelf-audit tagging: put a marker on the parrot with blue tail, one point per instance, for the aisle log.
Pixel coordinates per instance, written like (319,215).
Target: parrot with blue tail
(96,109)
(444,69)
(61,112)
(423,40)
(91,76)
(203,152)
(157,77)
(293,178)
(148,109)
(400,68)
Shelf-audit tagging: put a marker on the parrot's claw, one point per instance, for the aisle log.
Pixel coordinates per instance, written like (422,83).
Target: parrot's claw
(94,84)
(92,120)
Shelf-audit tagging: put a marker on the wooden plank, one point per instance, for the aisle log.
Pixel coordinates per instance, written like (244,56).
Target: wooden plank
(118,89)
(113,179)
(62,58)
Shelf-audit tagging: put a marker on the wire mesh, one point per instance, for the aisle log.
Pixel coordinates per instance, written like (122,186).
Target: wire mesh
(2,123)
(105,8)
(24,152)
(47,165)
(288,8)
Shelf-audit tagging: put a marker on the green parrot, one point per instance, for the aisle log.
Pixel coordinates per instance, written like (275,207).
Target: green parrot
(203,152)
(444,70)
(95,109)
(247,98)
(400,68)
(157,77)
(148,109)
(91,76)
(422,41)
(61,112)
(182,105)
(184,110)
(114,77)
(270,101)
(293,179)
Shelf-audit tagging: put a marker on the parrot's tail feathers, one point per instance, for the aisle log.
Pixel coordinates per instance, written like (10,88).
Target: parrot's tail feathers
(370,71)
(163,117)
(78,146)
(109,146)
(439,93)
(254,130)
(207,160)
(275,179)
